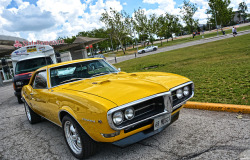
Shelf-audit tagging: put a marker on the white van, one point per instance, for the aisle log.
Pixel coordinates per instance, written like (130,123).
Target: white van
(26,60)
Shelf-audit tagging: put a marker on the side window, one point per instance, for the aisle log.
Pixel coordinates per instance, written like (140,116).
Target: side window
(40,81)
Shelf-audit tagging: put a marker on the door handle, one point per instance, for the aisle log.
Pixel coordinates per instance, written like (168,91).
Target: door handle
(31,94)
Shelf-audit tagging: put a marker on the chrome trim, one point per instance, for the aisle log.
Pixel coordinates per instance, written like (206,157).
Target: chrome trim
(144,107)
(75,120)
(113,110)
(180,104)
(181,86)
(165,94)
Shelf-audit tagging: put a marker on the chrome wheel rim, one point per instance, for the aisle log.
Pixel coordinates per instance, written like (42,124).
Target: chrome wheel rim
(27,110)
(72,137)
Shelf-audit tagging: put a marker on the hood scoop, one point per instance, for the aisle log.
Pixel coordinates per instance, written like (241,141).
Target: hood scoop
(101,82)
(133,74)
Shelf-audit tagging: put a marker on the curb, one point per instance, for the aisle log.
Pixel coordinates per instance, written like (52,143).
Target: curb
(218,107)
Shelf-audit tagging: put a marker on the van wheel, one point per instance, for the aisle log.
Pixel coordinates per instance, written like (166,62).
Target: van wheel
(19,99)
(79,143)
(31,115)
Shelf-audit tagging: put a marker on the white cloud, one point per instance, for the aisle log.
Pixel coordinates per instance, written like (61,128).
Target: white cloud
(235,4)
(49,19)
(52,18)
(27,18)
(163,7)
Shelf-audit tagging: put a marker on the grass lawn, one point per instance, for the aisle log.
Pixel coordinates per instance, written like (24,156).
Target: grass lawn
(220,70)
(179,41)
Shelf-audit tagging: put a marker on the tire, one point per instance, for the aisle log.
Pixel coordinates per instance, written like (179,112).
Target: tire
(31,115)
(154,49)
(143,51)
(19,100)
(78,142)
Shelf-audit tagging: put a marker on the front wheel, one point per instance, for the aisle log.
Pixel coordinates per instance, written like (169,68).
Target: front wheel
(143,51)
(79,143)
(31,115)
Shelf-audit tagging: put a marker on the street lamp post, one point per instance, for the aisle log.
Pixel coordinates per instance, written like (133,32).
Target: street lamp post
(111,43)
(215,19)
(216,23)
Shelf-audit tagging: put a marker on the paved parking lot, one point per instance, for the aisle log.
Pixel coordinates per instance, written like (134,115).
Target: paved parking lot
(196,135)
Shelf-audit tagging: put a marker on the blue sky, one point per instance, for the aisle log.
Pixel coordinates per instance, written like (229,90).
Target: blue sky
(50,19)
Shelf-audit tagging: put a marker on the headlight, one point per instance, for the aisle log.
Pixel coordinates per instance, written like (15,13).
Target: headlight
(186,91)
(129,113)
(118,117)
(19,83)
(179,93)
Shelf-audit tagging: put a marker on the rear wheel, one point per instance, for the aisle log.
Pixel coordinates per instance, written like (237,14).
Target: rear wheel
(79,143)
(31,115)
(154,49)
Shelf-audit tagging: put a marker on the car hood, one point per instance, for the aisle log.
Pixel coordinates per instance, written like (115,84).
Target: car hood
(122,88)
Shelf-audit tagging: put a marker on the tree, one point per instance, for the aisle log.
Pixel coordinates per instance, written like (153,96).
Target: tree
(174,25)
(140,22)
(118,23)
(163,26)
(220,11)
(160,27)
(242,10)
(188,10)
(151,27)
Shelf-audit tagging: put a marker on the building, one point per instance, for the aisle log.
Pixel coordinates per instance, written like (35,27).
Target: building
(75,50)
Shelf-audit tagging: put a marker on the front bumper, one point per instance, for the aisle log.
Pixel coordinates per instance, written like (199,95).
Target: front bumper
(143,134)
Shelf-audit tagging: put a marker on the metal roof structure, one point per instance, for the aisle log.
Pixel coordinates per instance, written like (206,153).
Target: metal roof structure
(7,44)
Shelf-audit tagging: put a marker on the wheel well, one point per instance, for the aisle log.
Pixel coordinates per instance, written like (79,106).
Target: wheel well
(65,113)
(62,114)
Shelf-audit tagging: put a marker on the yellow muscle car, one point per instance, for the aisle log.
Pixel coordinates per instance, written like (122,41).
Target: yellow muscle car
(94,102)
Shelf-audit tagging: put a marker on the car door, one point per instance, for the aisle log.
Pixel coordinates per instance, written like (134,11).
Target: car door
(150,48)
(39,93)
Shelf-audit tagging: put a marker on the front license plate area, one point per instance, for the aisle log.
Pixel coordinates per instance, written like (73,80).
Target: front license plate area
(162,121)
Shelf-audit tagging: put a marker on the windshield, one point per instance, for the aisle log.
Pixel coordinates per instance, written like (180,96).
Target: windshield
(77,71)
(31,65)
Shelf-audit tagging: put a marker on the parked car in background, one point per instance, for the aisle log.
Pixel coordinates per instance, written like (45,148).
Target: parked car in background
(94,102)
(97,56)
(26,60)
(148,49)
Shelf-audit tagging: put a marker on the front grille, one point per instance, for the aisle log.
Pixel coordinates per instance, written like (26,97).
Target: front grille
(177,101)
(145,109)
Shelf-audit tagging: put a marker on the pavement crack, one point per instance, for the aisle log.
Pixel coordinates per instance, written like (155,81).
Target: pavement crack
(213,148)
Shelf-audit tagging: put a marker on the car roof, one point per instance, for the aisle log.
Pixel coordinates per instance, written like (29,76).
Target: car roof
(68,62)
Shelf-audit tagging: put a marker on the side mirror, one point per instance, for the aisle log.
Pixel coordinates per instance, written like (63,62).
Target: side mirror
(119,69)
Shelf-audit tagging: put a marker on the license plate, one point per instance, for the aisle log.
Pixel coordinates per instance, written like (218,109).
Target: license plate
(162,121)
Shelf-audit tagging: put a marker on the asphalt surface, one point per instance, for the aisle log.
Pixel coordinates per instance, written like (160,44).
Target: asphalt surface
(178,46)
(198,134)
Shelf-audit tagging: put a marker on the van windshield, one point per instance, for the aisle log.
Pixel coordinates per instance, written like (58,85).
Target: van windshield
(31,65)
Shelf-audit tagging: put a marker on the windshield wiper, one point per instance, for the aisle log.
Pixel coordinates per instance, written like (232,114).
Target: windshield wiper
(70,80)
(99,74)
